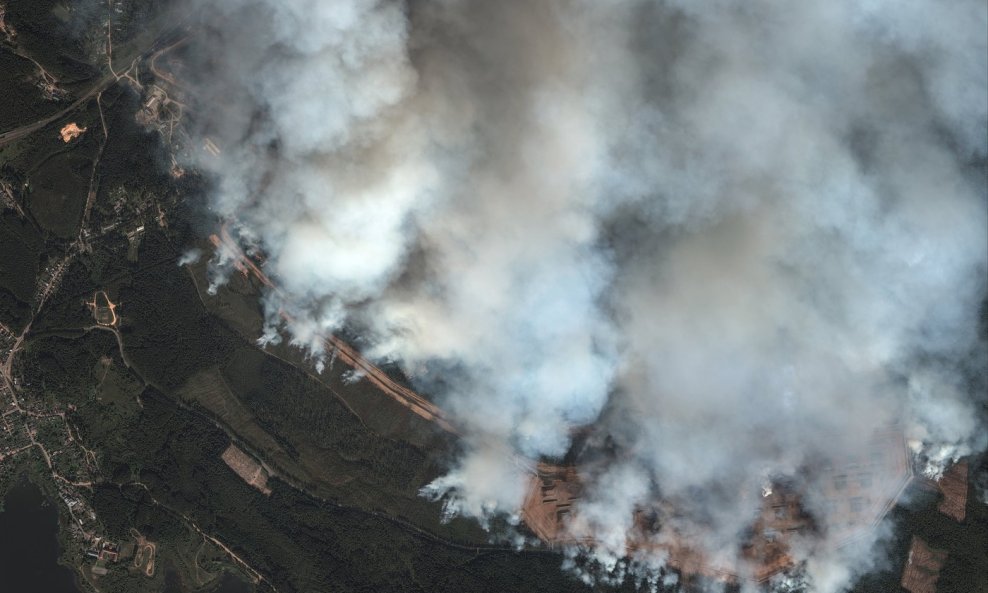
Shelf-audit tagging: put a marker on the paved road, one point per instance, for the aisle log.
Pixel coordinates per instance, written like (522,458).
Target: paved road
(17,133)
(101,85)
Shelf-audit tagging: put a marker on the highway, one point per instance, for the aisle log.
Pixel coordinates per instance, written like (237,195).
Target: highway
(102,84)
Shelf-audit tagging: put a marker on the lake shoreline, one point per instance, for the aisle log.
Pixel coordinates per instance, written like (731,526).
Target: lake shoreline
(32,559)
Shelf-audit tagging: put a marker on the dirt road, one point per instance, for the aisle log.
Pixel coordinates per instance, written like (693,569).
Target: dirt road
(345,352)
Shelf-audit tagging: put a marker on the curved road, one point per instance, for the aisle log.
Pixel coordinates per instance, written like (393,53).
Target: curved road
(101,85)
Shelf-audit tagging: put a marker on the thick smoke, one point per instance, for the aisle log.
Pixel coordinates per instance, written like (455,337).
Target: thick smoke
(736,236)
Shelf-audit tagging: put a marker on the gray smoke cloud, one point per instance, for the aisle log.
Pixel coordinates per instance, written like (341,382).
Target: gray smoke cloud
(734,236)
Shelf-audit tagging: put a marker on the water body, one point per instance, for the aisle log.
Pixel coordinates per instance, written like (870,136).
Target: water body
(29,545)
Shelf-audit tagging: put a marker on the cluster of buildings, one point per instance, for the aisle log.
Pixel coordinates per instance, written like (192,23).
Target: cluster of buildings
(104,552)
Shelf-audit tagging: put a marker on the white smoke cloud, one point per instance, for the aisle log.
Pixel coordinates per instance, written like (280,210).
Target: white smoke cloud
(190,256)
(736,236)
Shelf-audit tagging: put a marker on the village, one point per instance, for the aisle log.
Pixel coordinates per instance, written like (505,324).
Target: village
(39,433)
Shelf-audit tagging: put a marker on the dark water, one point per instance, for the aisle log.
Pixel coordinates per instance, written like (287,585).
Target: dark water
(28,544)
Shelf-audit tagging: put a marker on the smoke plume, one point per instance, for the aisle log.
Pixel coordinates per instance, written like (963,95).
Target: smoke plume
(734,236)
